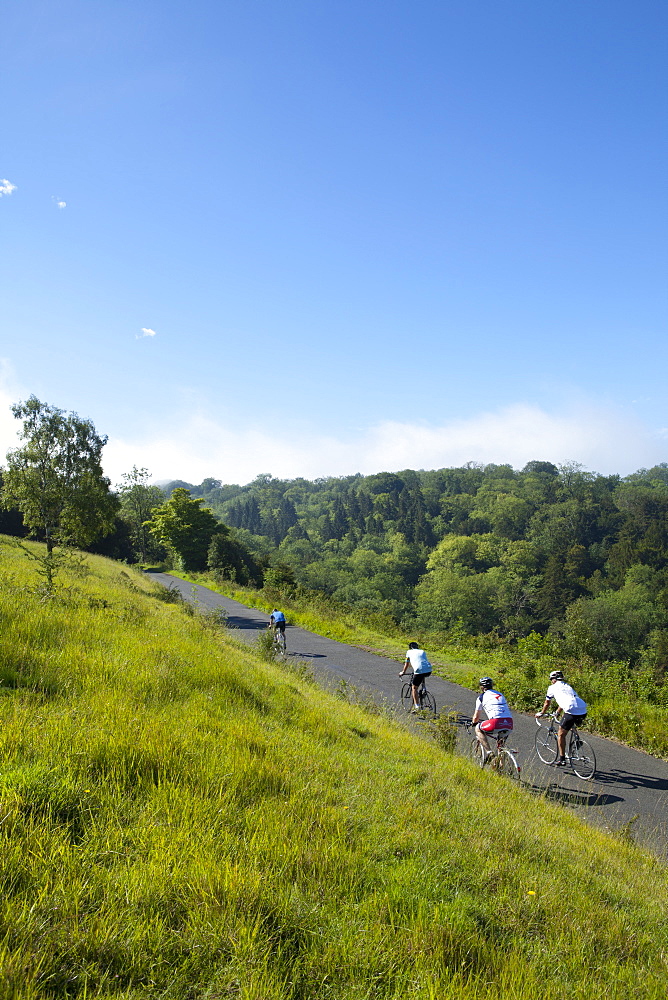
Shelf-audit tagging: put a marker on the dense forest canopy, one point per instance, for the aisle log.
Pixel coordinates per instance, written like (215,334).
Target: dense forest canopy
(481,549)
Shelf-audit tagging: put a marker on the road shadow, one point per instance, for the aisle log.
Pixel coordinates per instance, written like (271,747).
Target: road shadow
(246,624)
(618,777)
(571,796)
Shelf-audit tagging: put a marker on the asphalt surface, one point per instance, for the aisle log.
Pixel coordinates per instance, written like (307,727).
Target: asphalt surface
(628,794)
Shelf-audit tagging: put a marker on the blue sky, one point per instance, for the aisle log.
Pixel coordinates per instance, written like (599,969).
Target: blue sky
(316,238)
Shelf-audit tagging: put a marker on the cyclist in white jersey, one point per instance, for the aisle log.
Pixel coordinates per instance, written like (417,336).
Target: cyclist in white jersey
(495,707)
(416,660)
(572,707)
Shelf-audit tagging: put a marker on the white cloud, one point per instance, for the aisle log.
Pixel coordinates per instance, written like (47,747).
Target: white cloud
(145,332)
(61,204)
(9,393)
(6,187)
(602,440)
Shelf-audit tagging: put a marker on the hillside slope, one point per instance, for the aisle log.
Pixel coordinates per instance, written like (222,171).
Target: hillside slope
(181,820)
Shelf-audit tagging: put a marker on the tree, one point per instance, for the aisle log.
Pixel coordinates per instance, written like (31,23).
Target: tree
(613,626)
(138,500)
(231,560)
(55,479)
(184,526)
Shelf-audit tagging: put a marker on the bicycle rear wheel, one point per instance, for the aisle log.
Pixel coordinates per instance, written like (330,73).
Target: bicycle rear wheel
(546,745)
(583,760)
(507,764)
(427,701)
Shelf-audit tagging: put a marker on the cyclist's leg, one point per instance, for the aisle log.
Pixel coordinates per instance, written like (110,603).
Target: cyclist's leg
(416,683)
(561,743)
(482,738)
(566,724)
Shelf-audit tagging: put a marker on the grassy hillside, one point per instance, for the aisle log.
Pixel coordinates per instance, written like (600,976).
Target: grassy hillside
(181,820)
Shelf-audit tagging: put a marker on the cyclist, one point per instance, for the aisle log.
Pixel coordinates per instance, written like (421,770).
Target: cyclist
(416,660)
(277,622)
(572,707)
(495,707)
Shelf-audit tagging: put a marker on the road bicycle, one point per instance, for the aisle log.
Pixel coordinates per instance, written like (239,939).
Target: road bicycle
(500,758)
(425,698)
(579,754)
(278,643)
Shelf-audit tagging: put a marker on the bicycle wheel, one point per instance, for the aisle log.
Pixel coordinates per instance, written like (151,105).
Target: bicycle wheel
(427,701)
(506,764)
(546,745)
(583,760)
(477,754)
(407,697)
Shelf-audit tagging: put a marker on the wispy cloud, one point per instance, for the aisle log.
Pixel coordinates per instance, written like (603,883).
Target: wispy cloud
(10,392)
(145,332)
(61,204)
(6,187)
(602,440)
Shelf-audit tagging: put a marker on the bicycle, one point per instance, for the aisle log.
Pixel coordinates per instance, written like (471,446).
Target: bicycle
(426,699)
(278,643)
(579,754)
(501,758)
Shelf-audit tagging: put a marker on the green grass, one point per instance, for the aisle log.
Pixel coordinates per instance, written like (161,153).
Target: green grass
(630,705)
(179,819)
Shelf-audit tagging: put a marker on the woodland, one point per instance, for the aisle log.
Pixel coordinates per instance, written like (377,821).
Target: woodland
(476,551)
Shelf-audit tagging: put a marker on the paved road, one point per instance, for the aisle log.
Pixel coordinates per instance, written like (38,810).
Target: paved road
(629,791)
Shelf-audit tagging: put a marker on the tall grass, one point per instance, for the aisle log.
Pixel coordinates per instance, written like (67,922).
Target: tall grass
(179,819)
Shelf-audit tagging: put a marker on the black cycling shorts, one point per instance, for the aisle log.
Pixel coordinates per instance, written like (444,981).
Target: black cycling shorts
(567,721)
(418,678)
(280,626)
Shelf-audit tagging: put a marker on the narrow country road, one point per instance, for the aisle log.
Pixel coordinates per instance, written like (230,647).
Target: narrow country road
(629,791)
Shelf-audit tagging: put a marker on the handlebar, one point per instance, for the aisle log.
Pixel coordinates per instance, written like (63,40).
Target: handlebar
(546,715)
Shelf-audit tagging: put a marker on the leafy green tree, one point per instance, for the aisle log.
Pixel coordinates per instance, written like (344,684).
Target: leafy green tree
(613,626)
(232,560)
(11,521)
(55,479)
(185,527)
(138,499)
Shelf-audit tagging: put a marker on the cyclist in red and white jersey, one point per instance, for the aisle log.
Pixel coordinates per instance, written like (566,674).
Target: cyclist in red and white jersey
(495,707)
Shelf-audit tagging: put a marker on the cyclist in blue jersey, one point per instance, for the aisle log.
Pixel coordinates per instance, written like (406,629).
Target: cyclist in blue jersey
(277,622)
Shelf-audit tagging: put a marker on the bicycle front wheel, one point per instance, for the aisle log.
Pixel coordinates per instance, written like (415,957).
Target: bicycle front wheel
(507,765)
(583,760)
(477,754)
(407,697)
(546,745)
(428,702)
